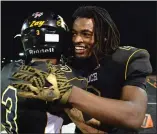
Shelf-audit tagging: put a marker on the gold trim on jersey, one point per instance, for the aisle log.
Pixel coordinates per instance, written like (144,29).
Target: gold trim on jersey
(126,67)
(3,126)
(11,101)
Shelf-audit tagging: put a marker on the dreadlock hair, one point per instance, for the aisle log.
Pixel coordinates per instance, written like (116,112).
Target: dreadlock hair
(104,28)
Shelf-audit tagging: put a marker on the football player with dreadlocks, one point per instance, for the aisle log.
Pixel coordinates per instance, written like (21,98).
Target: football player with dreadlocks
(45,40)
(116,74)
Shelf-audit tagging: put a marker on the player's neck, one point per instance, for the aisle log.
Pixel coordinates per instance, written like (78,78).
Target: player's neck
(54,61)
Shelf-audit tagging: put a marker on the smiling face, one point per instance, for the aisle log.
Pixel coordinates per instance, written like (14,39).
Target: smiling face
(83,37)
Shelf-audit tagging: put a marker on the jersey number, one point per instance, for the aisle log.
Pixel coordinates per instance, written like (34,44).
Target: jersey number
(9,100)
(126,47)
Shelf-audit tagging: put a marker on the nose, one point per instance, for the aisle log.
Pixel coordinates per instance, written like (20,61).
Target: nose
(77,39)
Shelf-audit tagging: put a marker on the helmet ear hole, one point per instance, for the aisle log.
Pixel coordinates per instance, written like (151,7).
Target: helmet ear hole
(44,35)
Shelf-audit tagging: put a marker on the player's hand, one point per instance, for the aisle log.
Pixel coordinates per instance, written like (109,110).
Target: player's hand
(90,126)
(66,79)
(49,86)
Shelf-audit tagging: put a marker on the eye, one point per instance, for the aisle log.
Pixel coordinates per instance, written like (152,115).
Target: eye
(73,33)
(86,34)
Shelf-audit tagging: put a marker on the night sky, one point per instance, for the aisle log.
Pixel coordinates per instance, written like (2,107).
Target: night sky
(136,21)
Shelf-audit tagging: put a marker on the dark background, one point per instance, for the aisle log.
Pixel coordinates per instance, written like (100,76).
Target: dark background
(136,21)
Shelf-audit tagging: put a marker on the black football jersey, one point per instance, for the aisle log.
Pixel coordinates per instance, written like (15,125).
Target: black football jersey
(21,115)
(126,66)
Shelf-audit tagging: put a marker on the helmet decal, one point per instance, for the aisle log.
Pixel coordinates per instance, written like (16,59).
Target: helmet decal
(60,22)
(37,23)
(37,14)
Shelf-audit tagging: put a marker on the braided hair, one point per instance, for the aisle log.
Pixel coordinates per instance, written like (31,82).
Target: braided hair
(107,36)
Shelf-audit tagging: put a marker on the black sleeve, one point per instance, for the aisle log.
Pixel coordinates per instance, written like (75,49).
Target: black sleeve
(5,74)
(138,67)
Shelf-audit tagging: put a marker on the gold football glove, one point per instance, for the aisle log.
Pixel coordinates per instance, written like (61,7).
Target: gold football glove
(54,84)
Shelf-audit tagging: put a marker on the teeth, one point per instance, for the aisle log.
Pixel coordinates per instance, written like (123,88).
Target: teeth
(79,47)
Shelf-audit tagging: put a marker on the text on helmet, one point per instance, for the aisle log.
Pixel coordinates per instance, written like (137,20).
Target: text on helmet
(37,23)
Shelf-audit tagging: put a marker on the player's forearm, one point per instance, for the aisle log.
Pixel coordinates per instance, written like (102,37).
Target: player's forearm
(110,111)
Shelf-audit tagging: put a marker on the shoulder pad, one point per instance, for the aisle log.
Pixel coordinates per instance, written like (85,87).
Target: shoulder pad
(126,54)
(123,53)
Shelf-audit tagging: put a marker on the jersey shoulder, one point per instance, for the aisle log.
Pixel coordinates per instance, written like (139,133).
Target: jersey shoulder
(125,53)
(134,59)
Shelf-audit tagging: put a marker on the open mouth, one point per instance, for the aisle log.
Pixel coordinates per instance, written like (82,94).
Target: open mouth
(80,49)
